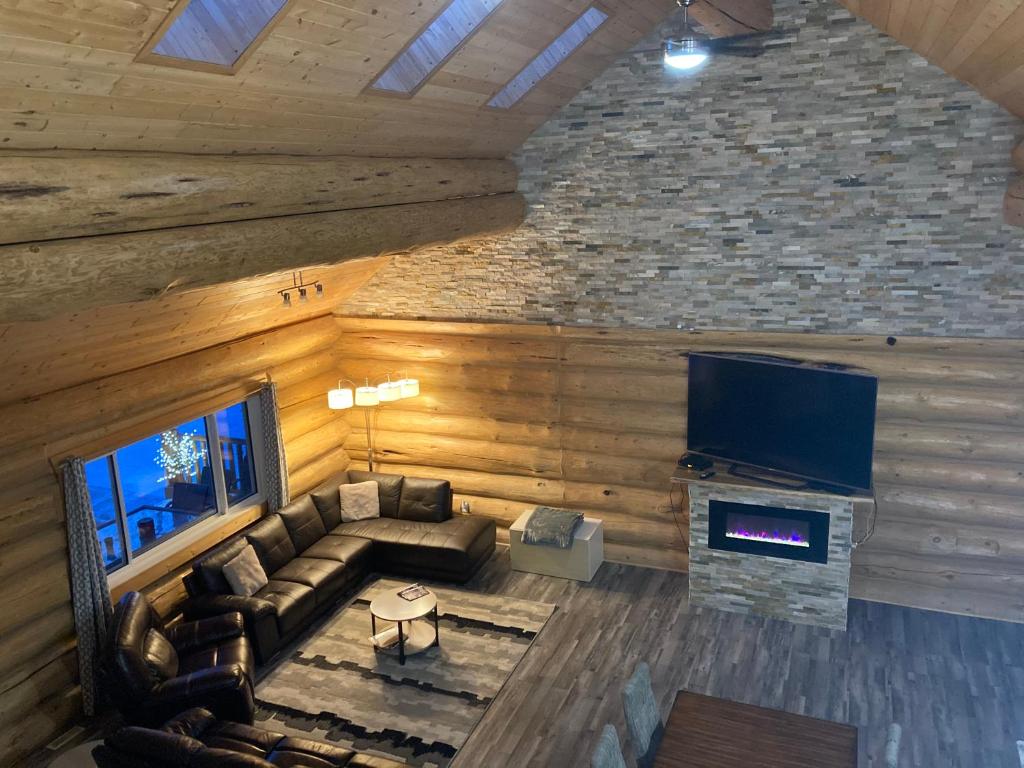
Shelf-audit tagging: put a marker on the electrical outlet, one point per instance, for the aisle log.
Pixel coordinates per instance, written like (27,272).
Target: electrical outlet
(464,507)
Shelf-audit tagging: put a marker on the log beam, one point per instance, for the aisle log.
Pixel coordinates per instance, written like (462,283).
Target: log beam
(53,195)
(119,268)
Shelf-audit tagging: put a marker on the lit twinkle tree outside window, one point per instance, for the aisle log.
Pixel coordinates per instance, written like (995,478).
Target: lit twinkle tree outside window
(181,455)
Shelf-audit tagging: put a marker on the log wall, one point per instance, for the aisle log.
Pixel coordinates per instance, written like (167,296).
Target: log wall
(85,411)
(594,419)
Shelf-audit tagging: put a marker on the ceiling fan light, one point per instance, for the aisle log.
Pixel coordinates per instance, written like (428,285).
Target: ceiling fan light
(684,53)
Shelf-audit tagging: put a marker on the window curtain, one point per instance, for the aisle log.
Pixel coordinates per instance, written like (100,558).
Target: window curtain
(273,449)
(90,596)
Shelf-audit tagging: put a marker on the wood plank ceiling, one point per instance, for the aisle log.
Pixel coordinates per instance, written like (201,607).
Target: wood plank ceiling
(69,79)
(980,42)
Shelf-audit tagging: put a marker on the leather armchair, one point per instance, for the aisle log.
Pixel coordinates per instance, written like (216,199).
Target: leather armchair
(197,739)
(152,672)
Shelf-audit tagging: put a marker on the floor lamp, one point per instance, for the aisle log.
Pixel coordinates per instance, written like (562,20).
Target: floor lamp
(369,397)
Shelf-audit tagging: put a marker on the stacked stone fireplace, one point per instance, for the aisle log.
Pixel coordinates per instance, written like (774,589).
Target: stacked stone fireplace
(774,552)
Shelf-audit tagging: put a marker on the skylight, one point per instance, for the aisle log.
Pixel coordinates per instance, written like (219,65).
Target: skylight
(549,59)
(434,45)
(216,32)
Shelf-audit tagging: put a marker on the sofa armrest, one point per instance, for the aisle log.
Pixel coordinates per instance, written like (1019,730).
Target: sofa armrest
(192,723)
(259,616)
(192,635)
(225,690)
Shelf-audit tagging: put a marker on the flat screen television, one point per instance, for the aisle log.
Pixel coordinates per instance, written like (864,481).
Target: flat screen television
(812,422)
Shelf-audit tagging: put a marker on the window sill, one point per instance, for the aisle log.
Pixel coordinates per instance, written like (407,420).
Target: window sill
(179,550)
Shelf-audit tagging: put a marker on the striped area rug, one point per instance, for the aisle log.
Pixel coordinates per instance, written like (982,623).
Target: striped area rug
(334,687)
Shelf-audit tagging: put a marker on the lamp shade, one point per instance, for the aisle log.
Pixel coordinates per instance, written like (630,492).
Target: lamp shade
(340,399)
(389,391)
(409,387)
(366,396)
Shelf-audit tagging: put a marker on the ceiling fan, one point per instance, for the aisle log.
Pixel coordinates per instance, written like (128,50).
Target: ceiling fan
(689,50)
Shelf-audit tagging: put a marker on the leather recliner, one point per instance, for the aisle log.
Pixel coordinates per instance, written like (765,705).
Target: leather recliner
(197,739)
(152,672)
(310,556)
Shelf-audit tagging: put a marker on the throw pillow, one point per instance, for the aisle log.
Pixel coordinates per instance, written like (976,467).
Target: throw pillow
(359,501)
(244,573)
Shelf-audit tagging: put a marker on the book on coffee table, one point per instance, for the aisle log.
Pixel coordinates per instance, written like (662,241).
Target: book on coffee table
(415,592)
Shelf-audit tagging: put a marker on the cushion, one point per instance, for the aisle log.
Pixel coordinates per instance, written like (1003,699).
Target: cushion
(234,651)
(303,522)
(294,603)
(389,489)
(352,551)
(272,543)
(325,497)
(160,656)
(359,501)
(426,501)
(210,570)
(325,577)
(244,573)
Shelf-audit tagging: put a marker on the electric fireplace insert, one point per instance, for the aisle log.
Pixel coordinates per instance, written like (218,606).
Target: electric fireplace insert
(793,534)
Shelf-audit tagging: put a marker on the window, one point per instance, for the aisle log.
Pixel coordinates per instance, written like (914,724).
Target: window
(549,59)
(213,34)
(434,45)
(150,491)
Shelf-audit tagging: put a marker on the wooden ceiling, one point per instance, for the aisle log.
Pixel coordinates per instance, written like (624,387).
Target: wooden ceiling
(69,79)
(980,42)
(69,76)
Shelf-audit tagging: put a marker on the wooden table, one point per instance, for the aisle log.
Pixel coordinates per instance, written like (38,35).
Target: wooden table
(414,633)
(705,732)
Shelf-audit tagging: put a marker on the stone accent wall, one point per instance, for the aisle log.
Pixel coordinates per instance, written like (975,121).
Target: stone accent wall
(805,593)
(839,183)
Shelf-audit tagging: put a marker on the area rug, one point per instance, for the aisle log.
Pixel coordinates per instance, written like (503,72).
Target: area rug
(334,687)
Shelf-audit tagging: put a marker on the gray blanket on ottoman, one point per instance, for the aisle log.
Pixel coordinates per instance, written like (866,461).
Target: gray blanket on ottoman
(552,527)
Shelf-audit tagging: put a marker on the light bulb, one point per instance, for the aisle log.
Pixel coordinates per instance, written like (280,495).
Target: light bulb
(685,53)
(287,297)
(303,294)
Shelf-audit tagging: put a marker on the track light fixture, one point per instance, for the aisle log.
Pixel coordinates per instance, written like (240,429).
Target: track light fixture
(299,284)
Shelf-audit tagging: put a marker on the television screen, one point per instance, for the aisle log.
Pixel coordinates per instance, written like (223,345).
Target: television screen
(811,422)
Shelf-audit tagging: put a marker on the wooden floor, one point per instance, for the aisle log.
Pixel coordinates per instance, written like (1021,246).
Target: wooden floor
(955,684)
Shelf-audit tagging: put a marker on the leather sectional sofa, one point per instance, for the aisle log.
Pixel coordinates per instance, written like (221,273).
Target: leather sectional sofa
(311,557)
(197,739)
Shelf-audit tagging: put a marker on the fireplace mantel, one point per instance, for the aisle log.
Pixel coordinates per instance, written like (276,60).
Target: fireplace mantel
(777,552)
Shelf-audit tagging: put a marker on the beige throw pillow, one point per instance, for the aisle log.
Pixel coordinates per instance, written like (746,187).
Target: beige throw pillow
(244,573)
(359,501)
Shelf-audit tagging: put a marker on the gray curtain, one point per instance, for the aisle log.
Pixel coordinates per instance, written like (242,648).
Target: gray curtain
(276,491)
(90,596)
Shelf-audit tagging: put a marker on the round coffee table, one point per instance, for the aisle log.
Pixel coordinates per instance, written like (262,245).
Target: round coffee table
(416,620)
